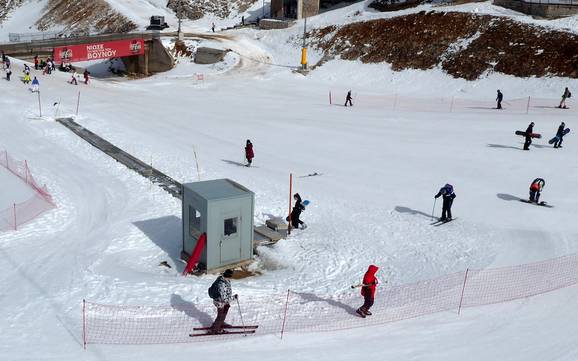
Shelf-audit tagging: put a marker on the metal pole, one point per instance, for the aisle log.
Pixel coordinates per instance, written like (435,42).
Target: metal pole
(463,289)
(290,201)
(241,315)
(39,104)
(84,323)
(77,103)
(285,315)
(433,208)
(263,9)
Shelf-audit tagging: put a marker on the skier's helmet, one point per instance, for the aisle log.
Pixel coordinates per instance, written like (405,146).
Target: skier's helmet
(449,188)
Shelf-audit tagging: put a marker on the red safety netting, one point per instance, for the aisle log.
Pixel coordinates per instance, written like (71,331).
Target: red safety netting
(308,312)
(20,213)
(397,102)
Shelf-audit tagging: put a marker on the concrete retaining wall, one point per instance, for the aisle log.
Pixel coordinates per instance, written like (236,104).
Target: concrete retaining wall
(549,11)
(206,55)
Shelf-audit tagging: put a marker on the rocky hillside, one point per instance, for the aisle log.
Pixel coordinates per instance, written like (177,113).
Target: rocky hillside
(462,44)
(196,9)
(6,6)
(84,15)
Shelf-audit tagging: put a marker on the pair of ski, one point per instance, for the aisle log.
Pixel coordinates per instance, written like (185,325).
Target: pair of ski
(227,330)
(439,222)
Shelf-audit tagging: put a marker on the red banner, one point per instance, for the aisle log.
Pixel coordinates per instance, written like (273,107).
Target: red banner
(103,50)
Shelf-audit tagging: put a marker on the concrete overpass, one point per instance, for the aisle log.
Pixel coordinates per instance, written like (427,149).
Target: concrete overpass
(155,59)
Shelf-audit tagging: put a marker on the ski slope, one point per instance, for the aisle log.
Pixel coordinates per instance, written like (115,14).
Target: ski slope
(380,169)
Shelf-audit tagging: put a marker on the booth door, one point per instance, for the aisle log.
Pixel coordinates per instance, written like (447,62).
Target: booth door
(231,238)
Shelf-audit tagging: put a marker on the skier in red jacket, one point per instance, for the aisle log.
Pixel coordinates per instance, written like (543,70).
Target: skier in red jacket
(368,291)
(249,152)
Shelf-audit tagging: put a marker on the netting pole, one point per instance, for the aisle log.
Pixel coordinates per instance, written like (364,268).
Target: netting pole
(84,323)
(463,289)
(39,104)
(452,105)
(15,226)
(26,170)
(290,202)
(197,163)
(6,154)
(330,98)
(285,315)
(77,103)
(528,106)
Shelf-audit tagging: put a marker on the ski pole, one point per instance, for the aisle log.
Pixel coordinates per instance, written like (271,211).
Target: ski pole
(241,315)
(433,209)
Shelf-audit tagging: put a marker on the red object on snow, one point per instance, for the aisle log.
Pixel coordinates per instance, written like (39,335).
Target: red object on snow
(194,259)
(370,280)
(249,151)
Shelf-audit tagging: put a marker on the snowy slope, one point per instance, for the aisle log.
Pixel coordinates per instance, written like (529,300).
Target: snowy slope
(380,168)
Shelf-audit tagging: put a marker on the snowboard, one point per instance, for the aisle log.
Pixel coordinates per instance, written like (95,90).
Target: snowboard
(543,204)
(553,140)
(533,135)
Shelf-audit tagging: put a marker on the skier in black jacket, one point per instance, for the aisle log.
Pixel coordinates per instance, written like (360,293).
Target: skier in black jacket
(448,195)
(348,99)
(499,99)
(559,136)
(296,212)
(529,132)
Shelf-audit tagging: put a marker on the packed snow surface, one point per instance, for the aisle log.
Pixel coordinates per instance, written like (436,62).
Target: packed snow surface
(379,168)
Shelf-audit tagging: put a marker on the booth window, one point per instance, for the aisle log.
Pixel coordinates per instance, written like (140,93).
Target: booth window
(194,221)
(230,226)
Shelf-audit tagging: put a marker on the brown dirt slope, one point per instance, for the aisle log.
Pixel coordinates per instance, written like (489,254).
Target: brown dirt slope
(196,9)
(84,15)
(464,45)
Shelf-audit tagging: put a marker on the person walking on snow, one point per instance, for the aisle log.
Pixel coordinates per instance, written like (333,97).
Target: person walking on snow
(559,135)
(222,295)
(529,132)
(213,27)
(565,96)
(448,195)
(35,62)
(35,85)
(73,80)
(536,188)
(296,212)
(499,99)
(26,79)
(348,99)
(86,75)
(368,288)
(249,155)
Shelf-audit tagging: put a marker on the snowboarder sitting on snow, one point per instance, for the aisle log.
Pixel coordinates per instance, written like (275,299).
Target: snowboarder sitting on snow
(348,99)
(222,295)
(296,212)
(565,96)
(249,153)
(529,132)
(448,195)
(535,189)
(559,136)
(499,99)
(368,291)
